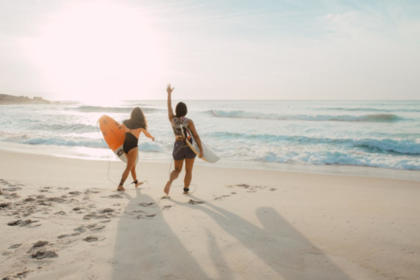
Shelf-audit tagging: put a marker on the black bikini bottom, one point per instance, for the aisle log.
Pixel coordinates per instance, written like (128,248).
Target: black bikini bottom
(130,142)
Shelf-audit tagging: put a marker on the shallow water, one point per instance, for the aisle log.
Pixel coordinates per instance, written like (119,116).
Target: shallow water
(316,133)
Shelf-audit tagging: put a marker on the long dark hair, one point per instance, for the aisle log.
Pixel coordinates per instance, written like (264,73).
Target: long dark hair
(181,109)
(137,119)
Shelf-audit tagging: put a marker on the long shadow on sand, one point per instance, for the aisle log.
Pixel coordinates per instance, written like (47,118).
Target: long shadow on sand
(277,244)
(147,248)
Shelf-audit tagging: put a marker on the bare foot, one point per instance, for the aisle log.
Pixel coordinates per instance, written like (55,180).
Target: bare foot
(138,184)
(120,188)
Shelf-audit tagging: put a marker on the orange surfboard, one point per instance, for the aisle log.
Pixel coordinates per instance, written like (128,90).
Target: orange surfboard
(114,135)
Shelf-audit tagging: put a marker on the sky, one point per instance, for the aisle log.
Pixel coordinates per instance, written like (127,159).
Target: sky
(101,51)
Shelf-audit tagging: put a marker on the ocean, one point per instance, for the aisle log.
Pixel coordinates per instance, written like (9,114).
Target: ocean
(268,133)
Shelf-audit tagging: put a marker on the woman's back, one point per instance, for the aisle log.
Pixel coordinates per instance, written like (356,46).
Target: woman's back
(179,126)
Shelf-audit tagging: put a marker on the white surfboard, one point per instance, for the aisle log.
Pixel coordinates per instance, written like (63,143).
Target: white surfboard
(208,154)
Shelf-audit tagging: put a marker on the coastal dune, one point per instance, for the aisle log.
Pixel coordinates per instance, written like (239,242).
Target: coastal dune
(62,219)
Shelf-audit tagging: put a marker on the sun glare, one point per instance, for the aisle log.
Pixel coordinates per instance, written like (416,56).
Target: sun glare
(97,53)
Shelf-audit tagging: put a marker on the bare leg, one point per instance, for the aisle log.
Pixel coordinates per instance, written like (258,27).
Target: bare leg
(174,175)
(131,162)
(189,163)
(134,175)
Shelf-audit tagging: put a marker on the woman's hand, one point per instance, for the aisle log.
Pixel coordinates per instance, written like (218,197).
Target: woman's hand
(153,139)
(200,155)
(169,90)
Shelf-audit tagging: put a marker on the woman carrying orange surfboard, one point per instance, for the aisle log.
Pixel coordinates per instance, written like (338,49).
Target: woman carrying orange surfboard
(181,126)
(133,128)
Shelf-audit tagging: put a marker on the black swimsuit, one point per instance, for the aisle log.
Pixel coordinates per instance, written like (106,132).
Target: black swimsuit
(181,149)
(130,142)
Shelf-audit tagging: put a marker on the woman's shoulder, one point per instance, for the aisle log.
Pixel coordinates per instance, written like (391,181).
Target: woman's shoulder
(181,120)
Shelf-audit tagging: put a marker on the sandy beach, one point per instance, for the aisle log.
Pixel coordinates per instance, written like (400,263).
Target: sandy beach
(305,116)
(62,219)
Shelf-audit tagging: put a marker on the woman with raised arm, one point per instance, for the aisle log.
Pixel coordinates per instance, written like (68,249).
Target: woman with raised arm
(181,127)
(133,128)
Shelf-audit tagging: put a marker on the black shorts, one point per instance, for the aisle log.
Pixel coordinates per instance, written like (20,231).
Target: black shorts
(181,151)
(130,142)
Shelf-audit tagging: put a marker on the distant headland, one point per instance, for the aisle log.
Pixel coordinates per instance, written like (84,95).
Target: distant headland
(13,99)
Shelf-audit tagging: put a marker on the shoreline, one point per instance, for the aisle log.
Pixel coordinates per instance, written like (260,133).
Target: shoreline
(108,156)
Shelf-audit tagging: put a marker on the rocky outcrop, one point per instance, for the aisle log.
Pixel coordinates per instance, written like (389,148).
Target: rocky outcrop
(13,99)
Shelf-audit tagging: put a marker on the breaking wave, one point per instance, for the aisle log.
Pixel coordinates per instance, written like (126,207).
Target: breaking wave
(402,147)
(302,117)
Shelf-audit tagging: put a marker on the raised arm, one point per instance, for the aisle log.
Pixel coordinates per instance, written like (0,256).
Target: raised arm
(191,126)
(169,90)
(148,134)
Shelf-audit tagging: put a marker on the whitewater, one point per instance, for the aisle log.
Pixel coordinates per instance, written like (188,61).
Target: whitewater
(382,134)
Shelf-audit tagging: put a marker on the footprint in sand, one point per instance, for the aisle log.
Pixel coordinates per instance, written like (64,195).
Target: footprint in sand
(38,250)
(42,254)
(88,191)
(245,186)
(20,275)
(134,212)
(39,244)
(15,246)
(194,202)
(57,199)
(142,216)
(29,199)
(61,236)
(106,210)
(221,197)
(91,239)
(89,216)
(95,227)
(5,205)
(45,189)
(9,186)
(75,193)
(11,196)
(21,222)
(249,188)
(77,209)
(166,207)
(146,204)
(80,229)
(103,214)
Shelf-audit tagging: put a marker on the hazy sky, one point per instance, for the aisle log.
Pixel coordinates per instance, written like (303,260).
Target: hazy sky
(279,49)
